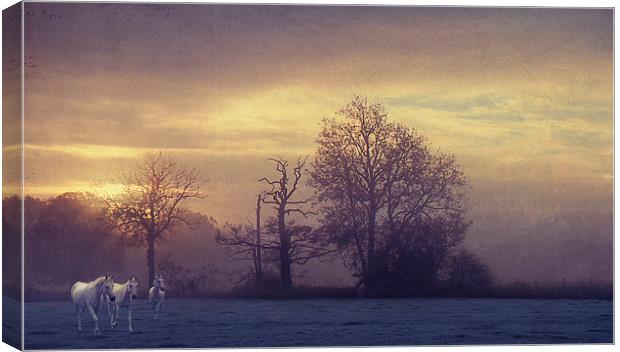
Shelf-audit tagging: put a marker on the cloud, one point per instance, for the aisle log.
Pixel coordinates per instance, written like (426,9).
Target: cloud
(494,118)
(582,139)
(446,103)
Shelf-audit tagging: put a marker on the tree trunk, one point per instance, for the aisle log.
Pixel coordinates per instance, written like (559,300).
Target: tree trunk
(370,280)
(285,262)
(259,260)
(150,258)
(285,269)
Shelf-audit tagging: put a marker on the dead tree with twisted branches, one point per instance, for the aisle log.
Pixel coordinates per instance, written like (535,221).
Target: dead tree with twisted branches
(283,188)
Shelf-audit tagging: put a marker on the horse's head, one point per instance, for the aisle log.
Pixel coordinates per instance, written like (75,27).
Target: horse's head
(132,286)
(108,288)
(159,282)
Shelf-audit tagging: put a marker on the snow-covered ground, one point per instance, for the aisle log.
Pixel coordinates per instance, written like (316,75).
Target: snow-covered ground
(328,322)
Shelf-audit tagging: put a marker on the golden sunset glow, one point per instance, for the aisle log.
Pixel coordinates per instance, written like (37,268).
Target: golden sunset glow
(87,187)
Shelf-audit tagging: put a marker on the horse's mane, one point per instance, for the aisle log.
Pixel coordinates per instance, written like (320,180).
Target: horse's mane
(98,280)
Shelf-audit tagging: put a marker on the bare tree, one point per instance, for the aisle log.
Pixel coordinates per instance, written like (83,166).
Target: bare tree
(150,205)
(245,242)
(241,244)
(375,178)
(300,243)
(281,197)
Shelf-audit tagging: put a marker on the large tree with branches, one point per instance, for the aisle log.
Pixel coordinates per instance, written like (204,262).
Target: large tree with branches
(151,204)
(376,181)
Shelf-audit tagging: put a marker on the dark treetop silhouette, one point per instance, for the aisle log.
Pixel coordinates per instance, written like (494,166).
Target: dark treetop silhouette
(379,184)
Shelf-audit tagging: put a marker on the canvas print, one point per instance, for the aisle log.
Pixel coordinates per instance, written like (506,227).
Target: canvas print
(219,175)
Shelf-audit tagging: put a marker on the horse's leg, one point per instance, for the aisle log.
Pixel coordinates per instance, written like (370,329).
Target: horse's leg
(159,306)
(156,308)
(114,314)
(95,318)
(129,317)
(78,311)
(110,314)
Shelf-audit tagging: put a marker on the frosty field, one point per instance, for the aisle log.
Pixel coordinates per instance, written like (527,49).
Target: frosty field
(328,322)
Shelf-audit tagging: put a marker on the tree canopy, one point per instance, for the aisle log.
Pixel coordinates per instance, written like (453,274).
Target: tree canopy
(379,182)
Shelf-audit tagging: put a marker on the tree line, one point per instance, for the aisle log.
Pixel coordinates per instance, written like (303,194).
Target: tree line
(382,201)
(390,206)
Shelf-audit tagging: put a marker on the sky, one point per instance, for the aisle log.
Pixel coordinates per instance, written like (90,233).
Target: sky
(522,97)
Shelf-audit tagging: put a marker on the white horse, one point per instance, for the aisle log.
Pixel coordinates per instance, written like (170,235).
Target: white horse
(125,295)
(157,293)
(89,295)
